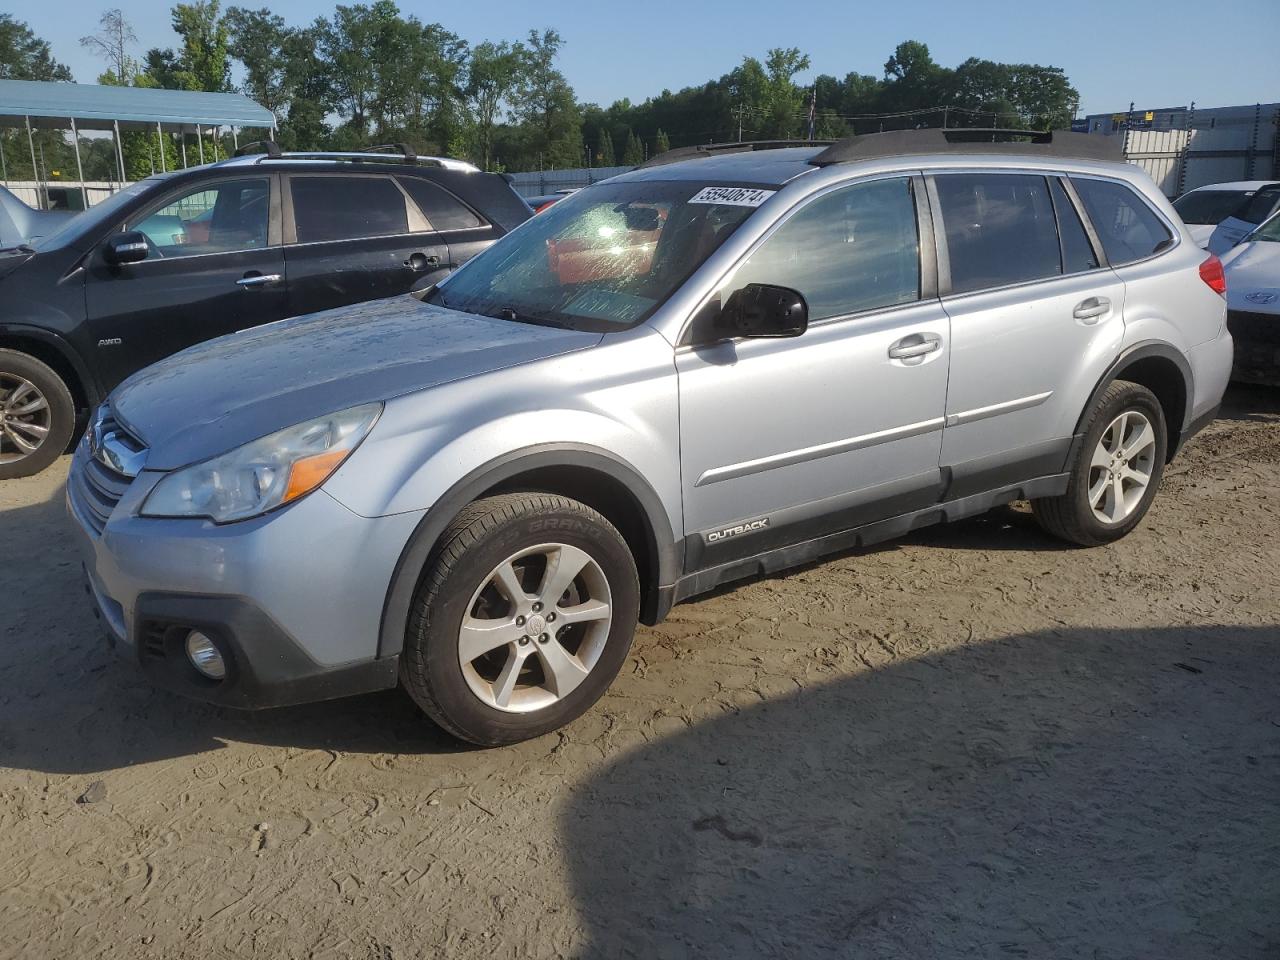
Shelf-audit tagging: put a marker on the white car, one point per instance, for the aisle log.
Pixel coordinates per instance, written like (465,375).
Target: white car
(1204,208)
(1253,303)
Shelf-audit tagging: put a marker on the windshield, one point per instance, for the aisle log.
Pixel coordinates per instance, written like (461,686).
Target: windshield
(1209,207)
(97,215)
(1260,206)
(603,259)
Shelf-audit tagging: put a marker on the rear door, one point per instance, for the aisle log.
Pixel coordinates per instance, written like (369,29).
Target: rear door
(353,237)
(215,266)
(461,226)
(1036,317)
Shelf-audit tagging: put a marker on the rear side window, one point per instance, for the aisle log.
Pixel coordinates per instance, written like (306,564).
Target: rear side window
(346,208)
(1000,229)
(1128,228)
(854,249)
(1077,252)
(442,210)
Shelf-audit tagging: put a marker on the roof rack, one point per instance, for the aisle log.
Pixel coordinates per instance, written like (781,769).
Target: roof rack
(261,150)
(701,150)
(972,140)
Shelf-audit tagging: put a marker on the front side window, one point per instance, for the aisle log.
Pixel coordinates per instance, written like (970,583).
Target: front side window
(347,208)
(851,250)
(1128,228)
(1000,229)
(215,218)
(603,259)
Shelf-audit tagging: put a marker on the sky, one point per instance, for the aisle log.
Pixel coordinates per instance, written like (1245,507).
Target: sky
(1157,54)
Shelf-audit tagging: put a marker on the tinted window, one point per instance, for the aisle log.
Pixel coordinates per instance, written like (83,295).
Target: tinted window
(1000,229)
(1128,228)
(344,208)
(1209,207)
(1260,206)
(442,210)
(227,216)
(854,249)
(1077,252)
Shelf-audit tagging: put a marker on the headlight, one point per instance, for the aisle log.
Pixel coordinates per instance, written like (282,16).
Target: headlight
(265,473)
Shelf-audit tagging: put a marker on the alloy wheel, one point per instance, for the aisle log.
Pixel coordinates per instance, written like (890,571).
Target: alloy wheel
(1122,465)
(535,628)
(25,418)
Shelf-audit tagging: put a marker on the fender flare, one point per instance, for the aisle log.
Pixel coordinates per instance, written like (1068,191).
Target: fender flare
(92,390)
(414,556)
(1132,354)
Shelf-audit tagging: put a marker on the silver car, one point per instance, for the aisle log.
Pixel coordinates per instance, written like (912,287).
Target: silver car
(727,362)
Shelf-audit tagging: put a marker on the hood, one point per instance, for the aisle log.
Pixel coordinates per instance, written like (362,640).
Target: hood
(1253,277)
(20,224)
(218,395)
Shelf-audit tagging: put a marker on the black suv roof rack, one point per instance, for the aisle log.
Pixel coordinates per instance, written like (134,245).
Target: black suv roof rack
(973,140)
(383,152)
(715,149)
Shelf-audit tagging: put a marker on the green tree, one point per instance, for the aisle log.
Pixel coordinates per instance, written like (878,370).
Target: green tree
(545,103)
(633,156)
(204,61)
(772,105)
(258,39)
(493,75)
(604,149)
(24,56)
(661,143)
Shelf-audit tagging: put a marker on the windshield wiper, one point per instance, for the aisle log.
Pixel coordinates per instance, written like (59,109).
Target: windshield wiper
(511,313)
(20,248)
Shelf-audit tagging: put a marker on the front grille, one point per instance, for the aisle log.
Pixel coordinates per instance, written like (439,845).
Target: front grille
(96,488)
(1254,327)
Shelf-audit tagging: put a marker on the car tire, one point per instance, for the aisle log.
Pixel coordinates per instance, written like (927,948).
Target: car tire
(36,410)
(1116,471)
(490,654)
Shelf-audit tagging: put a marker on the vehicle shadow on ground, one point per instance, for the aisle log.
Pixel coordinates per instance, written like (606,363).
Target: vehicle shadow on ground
(1250,401)
(69,705)
(1101,793)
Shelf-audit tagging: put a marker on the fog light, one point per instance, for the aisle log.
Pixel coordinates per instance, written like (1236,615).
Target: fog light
(204,656)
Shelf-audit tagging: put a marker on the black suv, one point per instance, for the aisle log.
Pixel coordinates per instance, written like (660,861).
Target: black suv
(184,257)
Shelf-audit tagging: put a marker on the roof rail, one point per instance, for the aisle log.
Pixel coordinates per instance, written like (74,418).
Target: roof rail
(269,147)
(715,149)
(972,140)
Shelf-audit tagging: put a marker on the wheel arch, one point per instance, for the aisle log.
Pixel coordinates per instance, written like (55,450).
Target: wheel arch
(55,352)
(1162,369)
(592,476)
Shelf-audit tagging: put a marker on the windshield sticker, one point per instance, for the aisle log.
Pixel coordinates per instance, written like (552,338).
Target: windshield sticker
(733,196)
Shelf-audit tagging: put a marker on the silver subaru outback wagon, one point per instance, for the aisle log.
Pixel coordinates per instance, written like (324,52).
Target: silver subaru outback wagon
(721,364)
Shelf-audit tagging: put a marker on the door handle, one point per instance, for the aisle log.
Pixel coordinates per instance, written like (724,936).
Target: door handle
(420,261)
(915,347)
(1092,310)
(258,280)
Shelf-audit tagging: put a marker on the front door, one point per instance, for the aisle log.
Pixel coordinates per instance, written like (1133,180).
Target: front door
(215,266)
(354,237)
(786,440)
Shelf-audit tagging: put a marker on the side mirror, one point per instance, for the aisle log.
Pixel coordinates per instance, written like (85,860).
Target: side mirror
(763,310)
(123,248)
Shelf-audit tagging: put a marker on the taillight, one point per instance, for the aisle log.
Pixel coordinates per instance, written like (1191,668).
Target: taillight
(1211,273)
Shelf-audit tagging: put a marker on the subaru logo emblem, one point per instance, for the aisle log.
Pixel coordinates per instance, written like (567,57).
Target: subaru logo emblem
(1260,297)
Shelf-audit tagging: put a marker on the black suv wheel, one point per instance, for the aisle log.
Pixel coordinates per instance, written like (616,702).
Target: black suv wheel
(37,415)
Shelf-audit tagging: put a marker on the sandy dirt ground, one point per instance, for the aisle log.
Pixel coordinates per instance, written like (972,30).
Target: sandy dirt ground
(973,743)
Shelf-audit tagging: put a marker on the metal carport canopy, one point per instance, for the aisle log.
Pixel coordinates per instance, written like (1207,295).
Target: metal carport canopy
(96,107)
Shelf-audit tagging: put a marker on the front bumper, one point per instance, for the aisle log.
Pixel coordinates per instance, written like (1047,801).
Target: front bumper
(294,599)
(1257,346)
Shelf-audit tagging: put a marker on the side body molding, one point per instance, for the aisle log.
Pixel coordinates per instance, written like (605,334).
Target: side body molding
(667,559)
